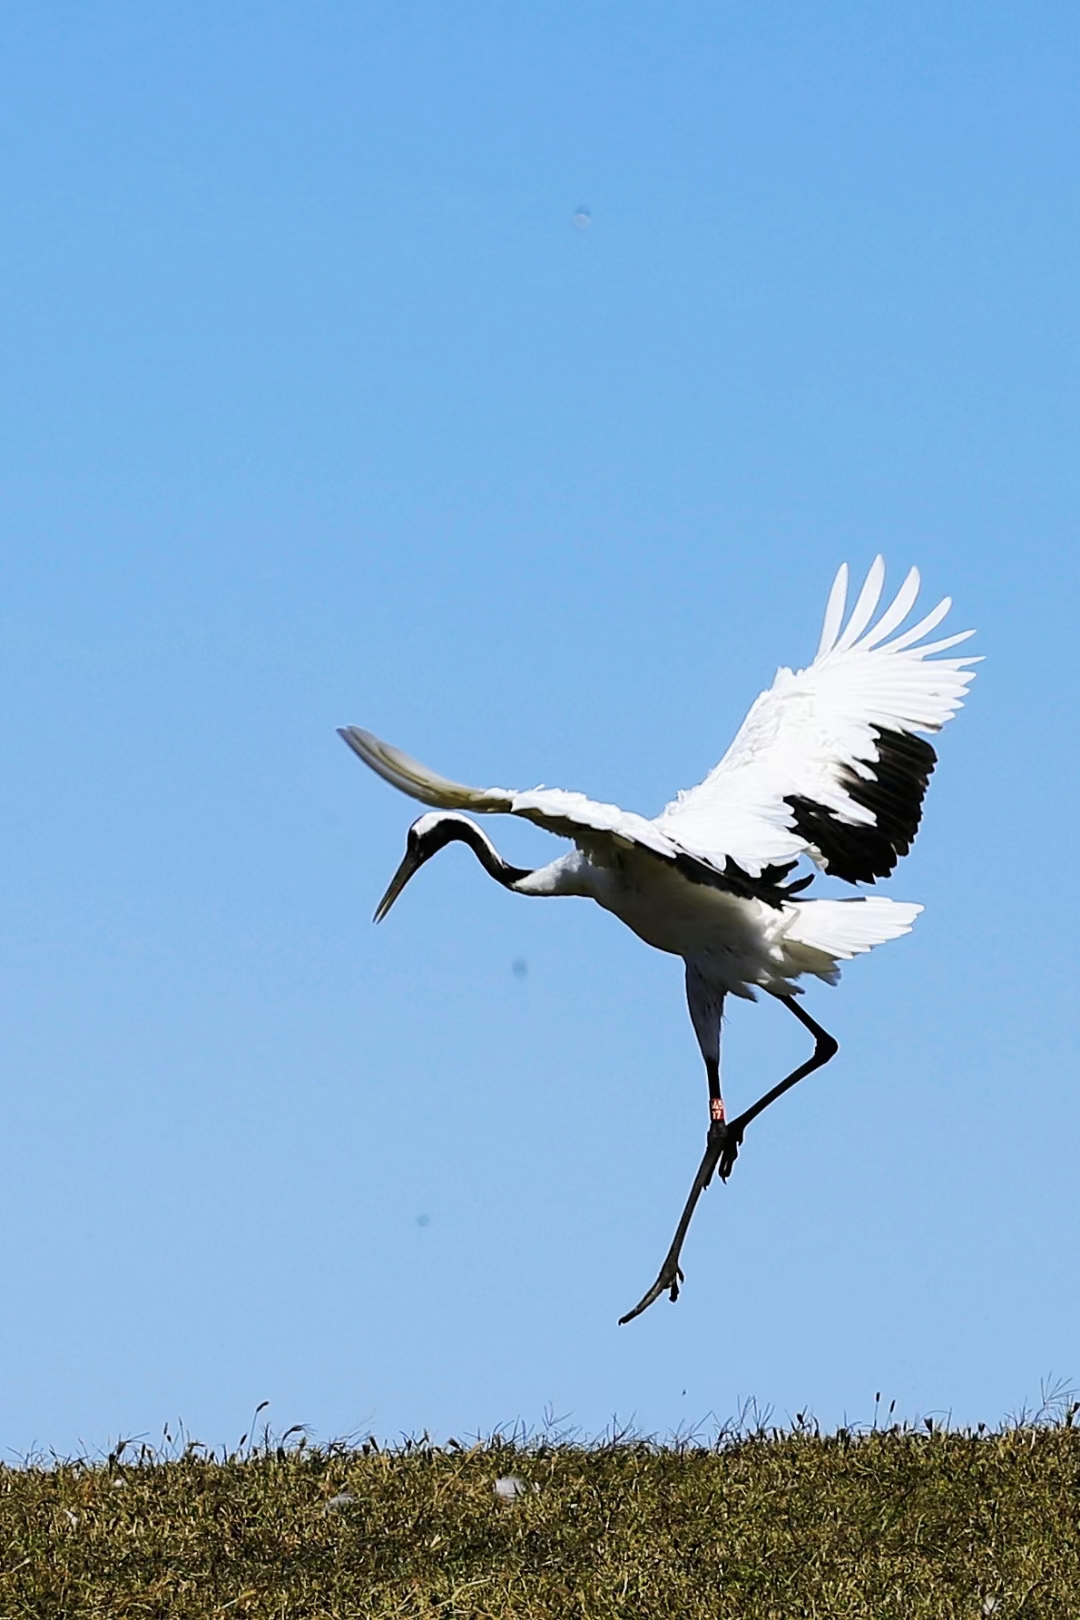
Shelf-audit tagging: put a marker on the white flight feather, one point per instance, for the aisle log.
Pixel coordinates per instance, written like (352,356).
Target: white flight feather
(894,616)
(834,611)
(924,626)
(863,611)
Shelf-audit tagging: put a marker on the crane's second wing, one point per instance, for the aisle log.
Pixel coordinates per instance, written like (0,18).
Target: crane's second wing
(829,761)
(601,830)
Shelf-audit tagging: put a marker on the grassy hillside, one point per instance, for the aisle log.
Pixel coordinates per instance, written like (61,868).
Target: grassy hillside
(899,1523)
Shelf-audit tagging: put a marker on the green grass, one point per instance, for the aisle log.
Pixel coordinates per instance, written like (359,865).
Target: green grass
(901,1522)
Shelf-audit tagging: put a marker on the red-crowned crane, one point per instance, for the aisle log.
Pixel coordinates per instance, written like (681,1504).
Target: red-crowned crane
(829,764)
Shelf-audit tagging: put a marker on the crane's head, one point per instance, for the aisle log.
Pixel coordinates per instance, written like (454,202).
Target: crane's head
(432,833)
(426,837)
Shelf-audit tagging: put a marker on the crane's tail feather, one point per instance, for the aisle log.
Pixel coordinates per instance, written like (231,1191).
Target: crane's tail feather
(416,780)
(823,933)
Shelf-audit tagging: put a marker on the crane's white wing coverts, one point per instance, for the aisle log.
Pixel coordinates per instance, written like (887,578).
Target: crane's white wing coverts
(828,762)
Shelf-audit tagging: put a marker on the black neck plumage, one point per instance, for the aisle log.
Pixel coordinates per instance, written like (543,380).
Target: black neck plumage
(458,829)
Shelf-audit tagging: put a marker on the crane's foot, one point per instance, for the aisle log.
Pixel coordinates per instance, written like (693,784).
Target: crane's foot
(729,1150)
(721,1150)
(667,1283)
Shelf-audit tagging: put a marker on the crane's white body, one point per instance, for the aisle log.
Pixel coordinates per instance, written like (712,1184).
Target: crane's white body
(738,944)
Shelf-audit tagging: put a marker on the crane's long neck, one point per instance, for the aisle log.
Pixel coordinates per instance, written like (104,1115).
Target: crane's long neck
(450,828)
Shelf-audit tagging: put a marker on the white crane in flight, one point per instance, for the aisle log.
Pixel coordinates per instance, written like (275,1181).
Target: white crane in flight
(828,764)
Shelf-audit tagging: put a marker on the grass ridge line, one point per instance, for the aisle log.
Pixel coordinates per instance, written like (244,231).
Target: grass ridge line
(759,1523)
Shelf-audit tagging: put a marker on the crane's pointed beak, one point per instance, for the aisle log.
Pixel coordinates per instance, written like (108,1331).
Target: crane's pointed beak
(411,863)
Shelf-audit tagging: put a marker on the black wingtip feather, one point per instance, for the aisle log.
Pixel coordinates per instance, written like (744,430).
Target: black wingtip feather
(894,796)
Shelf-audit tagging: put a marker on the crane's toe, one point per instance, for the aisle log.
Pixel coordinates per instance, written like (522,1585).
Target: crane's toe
(729,1152)
(667,1283)
(722,1150)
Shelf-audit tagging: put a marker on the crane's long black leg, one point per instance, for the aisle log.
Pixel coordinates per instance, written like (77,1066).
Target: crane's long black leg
(825,1047)
(721,1150)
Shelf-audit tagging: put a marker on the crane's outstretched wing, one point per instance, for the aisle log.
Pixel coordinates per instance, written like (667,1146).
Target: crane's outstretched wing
(828,762)
(598,829)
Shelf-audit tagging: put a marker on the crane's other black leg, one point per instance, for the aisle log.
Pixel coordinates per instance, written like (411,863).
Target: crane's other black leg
(722,1148)
(825,1047)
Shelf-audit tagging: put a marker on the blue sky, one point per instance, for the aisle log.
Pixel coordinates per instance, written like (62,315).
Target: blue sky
(320,408)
